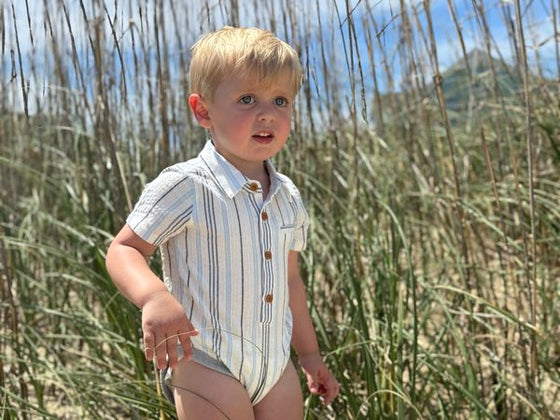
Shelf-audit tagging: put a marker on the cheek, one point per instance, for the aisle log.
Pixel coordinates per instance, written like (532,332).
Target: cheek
(287,123)
(234,121)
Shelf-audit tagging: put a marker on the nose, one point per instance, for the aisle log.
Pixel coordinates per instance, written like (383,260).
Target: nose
(266,112)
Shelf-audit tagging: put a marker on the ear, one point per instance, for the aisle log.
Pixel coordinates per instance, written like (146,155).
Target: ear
(200,110)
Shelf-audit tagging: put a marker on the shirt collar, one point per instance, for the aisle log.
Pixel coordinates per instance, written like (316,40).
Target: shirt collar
(230,179)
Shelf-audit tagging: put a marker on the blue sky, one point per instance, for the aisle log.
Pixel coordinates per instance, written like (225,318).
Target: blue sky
(194,17)
(537,19)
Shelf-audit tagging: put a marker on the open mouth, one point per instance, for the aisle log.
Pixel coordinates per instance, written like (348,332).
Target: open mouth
(263,136)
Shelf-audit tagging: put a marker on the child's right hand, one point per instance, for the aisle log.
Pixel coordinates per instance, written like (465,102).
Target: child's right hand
(164,325)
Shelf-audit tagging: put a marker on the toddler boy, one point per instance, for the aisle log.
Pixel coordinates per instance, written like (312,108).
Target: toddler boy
(229,228)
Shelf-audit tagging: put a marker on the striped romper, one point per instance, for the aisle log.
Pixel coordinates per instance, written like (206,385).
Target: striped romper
(225,259)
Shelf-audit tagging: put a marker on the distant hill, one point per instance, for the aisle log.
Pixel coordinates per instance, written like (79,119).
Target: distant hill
(456,80)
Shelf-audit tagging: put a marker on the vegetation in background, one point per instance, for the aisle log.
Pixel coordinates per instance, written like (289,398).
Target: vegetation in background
(433,264)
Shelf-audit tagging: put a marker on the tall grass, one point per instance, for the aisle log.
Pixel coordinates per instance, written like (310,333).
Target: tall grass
(434,256)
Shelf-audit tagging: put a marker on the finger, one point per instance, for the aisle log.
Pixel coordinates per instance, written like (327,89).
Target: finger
(149,344)
(191,331)
(328,397)
(313,384)
(172,357)
(331,390)
(161,353)
(188,334)
(184,339)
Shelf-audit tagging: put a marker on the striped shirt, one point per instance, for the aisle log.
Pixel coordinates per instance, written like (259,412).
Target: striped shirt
(225,258)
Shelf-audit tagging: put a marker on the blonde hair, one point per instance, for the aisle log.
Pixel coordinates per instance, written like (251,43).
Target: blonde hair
(237,51)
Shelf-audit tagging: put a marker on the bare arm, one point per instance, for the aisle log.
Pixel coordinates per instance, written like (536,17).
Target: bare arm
(163,318)
(127,263)
(304,339)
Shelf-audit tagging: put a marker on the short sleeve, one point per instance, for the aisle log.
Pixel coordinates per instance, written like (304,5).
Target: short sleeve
(164,208)
(301,225)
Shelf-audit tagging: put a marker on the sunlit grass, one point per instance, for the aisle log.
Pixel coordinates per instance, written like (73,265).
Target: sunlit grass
(433,259)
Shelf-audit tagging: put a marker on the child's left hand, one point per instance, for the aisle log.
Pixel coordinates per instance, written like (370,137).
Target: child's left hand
(320,381)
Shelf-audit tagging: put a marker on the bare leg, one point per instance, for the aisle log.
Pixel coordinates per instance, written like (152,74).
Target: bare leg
(285,399)
(201,393)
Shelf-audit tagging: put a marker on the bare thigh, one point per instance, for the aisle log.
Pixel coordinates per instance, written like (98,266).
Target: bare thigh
(201,393)
(285,399)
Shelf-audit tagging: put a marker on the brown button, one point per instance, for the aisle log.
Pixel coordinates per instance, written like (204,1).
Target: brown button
(269,298)
(253,186)
(267,255)
(264,216)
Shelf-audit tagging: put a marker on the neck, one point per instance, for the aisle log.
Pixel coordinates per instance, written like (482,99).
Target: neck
(257,173)
(260,174)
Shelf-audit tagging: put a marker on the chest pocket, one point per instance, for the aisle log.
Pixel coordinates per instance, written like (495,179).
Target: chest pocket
(286,237)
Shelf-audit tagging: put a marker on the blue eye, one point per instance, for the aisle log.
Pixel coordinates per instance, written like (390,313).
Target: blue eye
(247,100)
(280,101)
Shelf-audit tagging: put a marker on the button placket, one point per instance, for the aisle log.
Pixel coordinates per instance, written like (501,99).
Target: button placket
(267,296)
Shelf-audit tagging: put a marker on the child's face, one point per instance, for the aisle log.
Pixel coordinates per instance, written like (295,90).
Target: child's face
(249,124)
